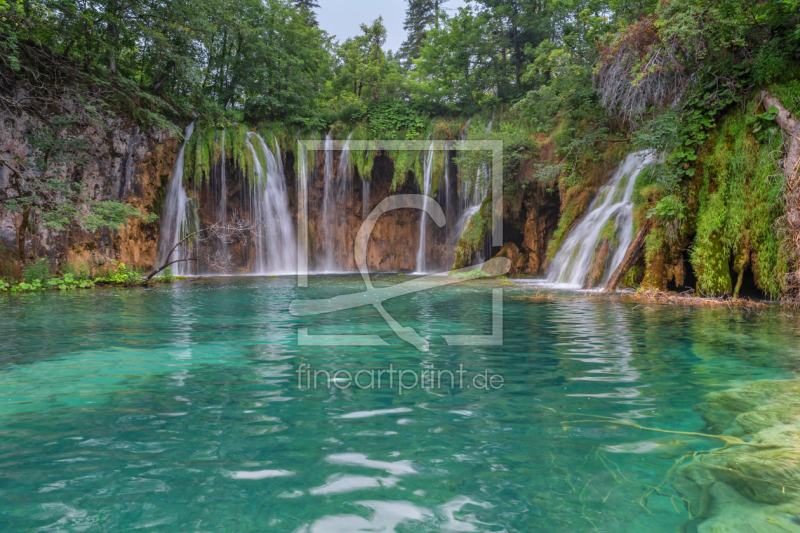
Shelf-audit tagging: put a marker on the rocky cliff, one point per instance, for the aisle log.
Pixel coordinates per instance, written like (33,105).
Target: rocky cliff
(117,160)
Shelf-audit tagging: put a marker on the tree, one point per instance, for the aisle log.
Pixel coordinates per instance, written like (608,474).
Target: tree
(307,7)
(421,16)
(454,68)
(363,70)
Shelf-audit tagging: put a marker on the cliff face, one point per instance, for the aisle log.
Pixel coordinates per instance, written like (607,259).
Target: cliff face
(121,162)
(118,161)
(394,240)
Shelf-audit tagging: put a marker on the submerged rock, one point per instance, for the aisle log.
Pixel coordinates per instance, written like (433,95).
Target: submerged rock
(753,486)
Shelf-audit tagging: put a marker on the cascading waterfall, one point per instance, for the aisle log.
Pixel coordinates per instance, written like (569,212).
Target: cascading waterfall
(365,199)
(365,202)
(427,184)
(574,259)
(327,228)
(471,200)
(302,215)
(336,197)
(223,197)
(179,219)
(276,244)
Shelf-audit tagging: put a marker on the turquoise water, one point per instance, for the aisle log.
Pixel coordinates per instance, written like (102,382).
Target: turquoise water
(178,408)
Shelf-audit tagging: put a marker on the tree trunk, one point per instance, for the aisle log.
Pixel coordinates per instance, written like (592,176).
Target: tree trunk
(631,256)
(790,125)
(111,31)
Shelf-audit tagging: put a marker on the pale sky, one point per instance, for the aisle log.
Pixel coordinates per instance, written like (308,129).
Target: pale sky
(343,18)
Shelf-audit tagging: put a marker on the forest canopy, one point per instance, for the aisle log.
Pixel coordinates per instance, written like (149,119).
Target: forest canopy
(255,59)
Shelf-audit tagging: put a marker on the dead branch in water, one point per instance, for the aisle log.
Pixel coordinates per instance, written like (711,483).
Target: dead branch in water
(689,298)
(228,232)
(539,297)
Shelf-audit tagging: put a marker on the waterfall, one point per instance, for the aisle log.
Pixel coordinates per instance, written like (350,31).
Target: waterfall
(364,199)
(466,127)
(365,203)
(574,259)
(471,200)
(336,198)
(223,197)
(327,223)
(275,244)
(427,184)
(302,215)
(178,219)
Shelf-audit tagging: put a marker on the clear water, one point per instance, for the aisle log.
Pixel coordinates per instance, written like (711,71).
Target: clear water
(178,409)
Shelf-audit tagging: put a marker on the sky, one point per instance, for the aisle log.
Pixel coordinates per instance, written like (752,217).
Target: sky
(343,18)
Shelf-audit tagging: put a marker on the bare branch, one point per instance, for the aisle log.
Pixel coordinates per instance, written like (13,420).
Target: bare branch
(235,229)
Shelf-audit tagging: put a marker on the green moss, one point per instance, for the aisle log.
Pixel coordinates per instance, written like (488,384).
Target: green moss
(610,231)
(580,197)
(471,274)
(739,203)
(634,276)
(405,161)
(471,241)
(363,160)
(655,251)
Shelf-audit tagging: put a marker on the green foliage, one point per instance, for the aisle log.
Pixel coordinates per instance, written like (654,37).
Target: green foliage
(475,166)
(37,281)
(68,282)
(772,61)
(764,124)
(362,72)
(11,17)
(470,274)
(204,150)
(120,274)
(37,271)
(395,119)
(739,202)
(669,208)
(579,197)
(471,241)
(162,61)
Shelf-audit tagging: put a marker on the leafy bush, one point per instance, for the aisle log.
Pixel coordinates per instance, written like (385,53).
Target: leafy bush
(121,274)
(388,119)
(68,283)
(771,61)
(37,271)
(764,123)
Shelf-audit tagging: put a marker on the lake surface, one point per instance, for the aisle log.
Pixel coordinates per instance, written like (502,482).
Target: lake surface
(179,408)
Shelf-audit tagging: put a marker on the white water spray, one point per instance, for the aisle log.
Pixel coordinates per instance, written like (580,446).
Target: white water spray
(574,259)
(179,219)
(427,184)
(275,245)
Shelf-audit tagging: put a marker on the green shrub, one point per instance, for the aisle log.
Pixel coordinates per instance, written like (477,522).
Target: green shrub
(121,274)
(38,270)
